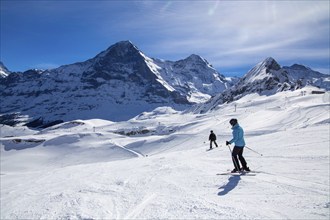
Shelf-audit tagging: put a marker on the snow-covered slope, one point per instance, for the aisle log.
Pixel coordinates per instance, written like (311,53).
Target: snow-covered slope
(268,78)
(117,84)
(156,166)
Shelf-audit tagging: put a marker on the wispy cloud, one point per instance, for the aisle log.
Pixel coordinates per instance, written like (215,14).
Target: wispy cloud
(243,31)
(45,66)
(229,34)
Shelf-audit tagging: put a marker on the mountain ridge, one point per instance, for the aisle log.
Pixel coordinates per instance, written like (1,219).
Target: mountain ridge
(122,82)
(267,78)
(116,84)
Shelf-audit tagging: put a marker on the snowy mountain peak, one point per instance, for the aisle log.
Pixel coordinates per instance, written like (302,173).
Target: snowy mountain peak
(271,63)
(120,49)
(197,60)
(4,72)
(268,78)
(303,75)
(299,67)
(124,45)
(195,57)
(265,69)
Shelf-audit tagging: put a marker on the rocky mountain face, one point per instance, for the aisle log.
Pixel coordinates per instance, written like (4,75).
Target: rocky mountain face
(117,84)
(267,78)
(193,76)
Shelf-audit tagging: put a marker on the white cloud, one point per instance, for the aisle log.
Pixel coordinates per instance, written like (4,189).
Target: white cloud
(226,33)
(239,30)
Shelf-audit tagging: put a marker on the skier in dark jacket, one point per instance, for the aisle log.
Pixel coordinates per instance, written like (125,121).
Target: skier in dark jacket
(212,138)
(238,139)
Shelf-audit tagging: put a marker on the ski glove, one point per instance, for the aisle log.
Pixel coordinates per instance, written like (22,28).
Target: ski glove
(227,143)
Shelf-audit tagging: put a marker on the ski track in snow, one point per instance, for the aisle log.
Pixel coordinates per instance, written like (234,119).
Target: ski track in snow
(76,173)
(138,209)
(129,150)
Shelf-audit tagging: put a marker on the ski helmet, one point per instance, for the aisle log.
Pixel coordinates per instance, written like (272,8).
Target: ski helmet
(233,121)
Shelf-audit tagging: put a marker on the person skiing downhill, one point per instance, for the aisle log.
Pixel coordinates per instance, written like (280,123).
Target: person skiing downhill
(212,138)
(238,139)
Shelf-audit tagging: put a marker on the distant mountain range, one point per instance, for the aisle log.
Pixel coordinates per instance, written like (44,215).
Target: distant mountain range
(122,82)
(117,84)
(268,78)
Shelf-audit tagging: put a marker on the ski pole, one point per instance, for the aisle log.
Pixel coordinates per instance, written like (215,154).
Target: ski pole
(254,151)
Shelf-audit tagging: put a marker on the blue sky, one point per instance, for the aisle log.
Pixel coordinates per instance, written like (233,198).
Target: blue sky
(232,35)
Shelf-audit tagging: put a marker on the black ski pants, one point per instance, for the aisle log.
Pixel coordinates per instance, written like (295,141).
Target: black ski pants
(214,143)
(238,151)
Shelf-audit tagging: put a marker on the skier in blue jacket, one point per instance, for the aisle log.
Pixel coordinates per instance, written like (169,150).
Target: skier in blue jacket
(238,139)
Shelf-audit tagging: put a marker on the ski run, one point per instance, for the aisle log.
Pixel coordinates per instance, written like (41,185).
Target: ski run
(155,166)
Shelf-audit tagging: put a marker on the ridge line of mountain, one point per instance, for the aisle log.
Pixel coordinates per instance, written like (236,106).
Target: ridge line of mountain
(122,82)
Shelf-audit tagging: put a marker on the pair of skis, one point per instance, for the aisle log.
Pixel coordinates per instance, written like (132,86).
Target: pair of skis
(241,173)
(238,173)
(209,149)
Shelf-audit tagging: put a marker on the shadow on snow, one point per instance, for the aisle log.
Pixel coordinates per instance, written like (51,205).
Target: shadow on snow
(232,183)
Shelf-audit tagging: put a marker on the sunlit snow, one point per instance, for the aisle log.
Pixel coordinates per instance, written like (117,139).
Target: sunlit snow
(155,166)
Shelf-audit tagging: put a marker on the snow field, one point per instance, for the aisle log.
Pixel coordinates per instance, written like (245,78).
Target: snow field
(87,170)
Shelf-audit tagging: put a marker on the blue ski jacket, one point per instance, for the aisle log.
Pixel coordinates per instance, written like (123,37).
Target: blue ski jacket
(238,136)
